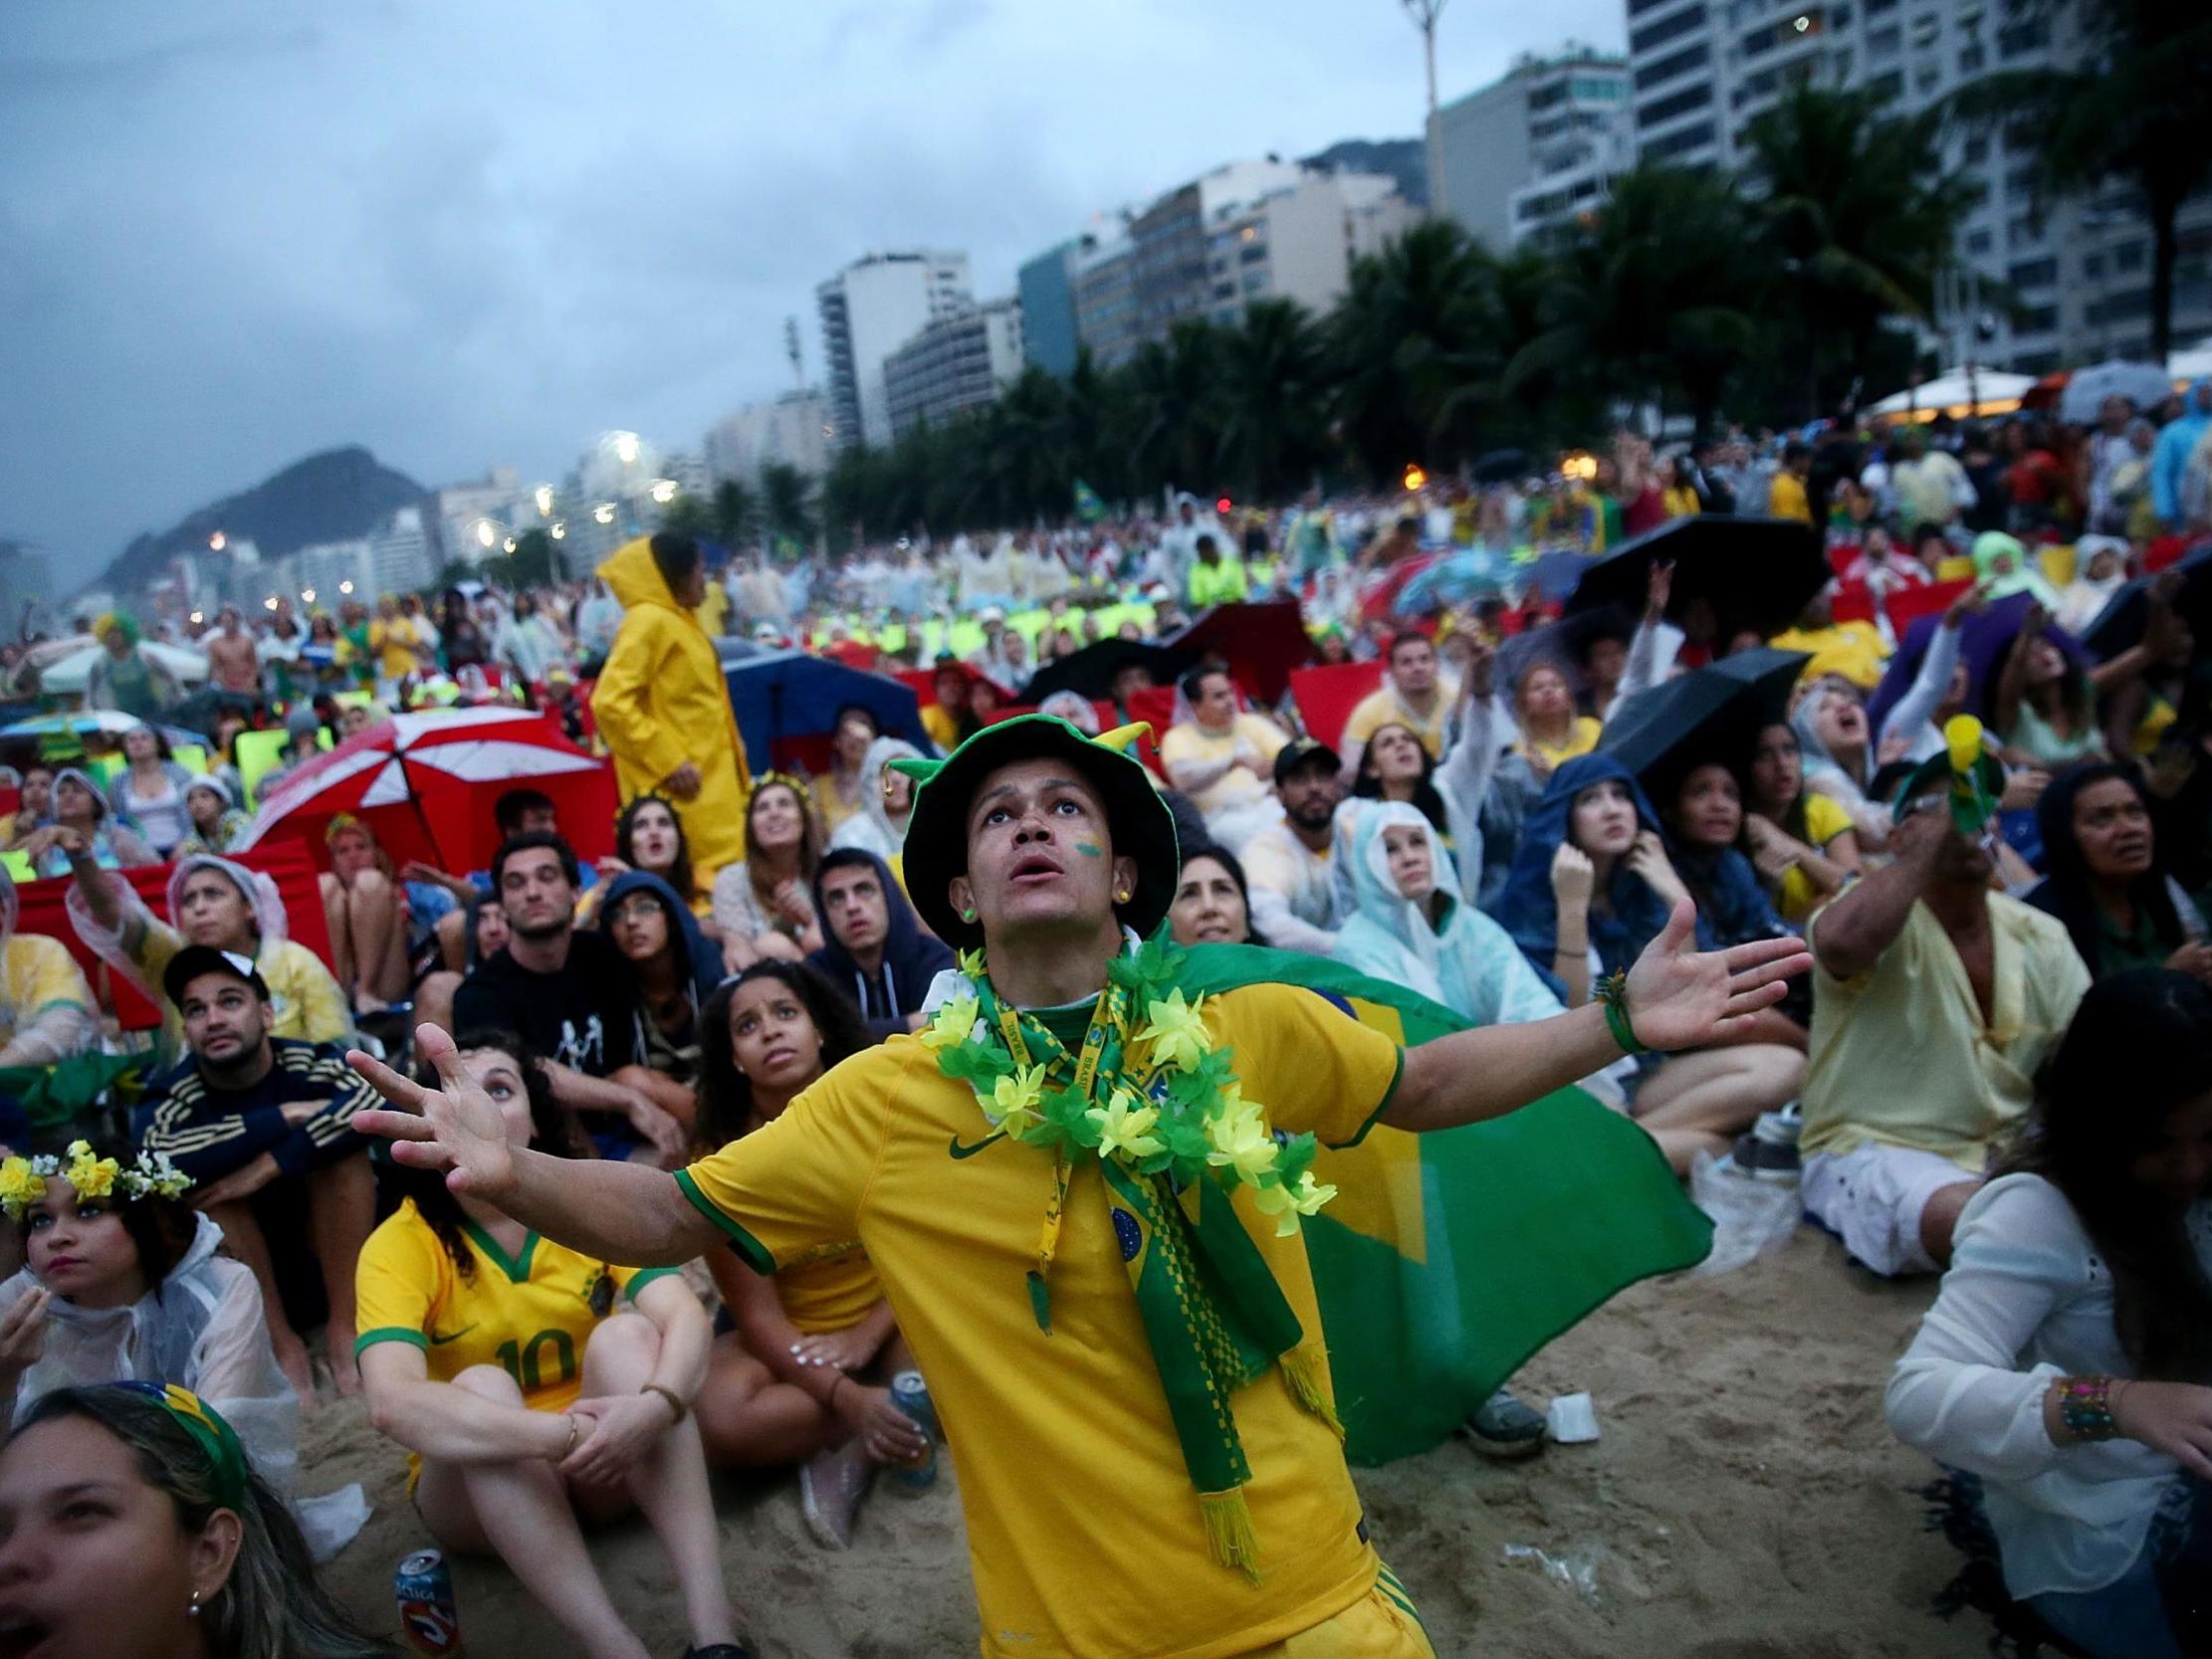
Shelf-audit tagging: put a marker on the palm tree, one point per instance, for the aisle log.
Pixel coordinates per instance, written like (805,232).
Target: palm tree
(1653,298)
(736,513)
(1405,341)
(1272,395)
(2134,110)
(1859,215)
(786,492)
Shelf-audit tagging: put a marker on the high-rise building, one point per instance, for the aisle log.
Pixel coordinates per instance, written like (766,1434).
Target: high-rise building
(472,519)
(1046,286)
(325,574)
(400,557)
(957,363)
(792,431)
(1535,146)
(2079,274)
(1244,231)
(868,310)
(26,587)
(1298,241)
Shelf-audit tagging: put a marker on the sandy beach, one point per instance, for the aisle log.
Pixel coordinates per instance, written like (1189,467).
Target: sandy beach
(1746,1500)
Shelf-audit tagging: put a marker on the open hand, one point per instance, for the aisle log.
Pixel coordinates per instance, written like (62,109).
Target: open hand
(1680,997)
(23,1333)
(2170,1417)
(455,1127)
(1658,588)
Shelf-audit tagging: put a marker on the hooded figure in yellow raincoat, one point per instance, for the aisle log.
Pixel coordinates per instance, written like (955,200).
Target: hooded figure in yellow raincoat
(661,703)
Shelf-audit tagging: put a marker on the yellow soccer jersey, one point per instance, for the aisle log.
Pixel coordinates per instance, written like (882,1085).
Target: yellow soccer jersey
(1084,1533)
(529,1315)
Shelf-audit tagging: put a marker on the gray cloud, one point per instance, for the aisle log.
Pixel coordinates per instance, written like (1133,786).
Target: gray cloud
(477,233)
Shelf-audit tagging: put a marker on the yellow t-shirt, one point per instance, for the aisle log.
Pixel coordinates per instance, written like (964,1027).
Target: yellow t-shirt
(832,1288)
(305,998)
(1382,707)
(1084,1533)
(1580,740)
(1900,1057)
(38,973)
(1786,498)
(531,1315)
(394,643)
(1190,742)
(943,729)
(1823,821)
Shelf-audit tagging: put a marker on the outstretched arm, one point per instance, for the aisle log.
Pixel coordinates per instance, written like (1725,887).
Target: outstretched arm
(1678,998)
(619,1212)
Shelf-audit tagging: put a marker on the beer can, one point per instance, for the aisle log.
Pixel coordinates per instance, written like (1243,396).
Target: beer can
(912,1396)
(429,1618)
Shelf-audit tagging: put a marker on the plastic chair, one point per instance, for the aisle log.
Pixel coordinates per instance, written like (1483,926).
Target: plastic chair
(191,756)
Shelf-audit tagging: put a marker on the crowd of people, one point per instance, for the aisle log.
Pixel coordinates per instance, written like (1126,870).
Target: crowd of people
(596,1176)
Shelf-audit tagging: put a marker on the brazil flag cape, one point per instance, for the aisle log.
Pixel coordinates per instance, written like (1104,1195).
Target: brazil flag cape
(1446,1259)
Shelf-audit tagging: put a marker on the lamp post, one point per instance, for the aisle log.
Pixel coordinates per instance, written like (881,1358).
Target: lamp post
(1424,13)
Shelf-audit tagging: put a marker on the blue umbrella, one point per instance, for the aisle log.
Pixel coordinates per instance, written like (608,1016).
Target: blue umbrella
(85,721)
(787,697)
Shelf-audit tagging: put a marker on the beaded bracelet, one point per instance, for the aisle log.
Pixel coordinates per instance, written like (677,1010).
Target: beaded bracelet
(2085,1407)
(1613,996)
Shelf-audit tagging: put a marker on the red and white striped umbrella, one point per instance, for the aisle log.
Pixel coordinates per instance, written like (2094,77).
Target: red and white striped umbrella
(425,783)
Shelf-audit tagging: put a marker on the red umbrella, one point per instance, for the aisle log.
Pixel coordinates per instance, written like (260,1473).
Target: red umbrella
(425,785)
(1260,642)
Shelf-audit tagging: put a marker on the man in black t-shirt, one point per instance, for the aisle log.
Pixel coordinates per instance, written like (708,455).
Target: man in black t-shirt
(569,995)
(264,1126)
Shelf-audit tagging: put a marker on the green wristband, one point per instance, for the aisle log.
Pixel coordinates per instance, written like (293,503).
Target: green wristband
(1613,996)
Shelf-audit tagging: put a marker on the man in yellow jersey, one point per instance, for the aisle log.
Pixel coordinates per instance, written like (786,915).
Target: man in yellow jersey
(1081,1195)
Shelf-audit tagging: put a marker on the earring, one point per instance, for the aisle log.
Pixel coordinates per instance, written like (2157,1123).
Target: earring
(968,915)
(1122,898)
(193,1611)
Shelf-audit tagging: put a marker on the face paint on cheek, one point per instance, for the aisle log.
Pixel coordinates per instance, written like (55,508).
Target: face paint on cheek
(1090,849)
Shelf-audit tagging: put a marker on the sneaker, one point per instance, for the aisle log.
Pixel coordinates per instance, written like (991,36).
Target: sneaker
(1504,1429)
(831,1486)
(1766,1156)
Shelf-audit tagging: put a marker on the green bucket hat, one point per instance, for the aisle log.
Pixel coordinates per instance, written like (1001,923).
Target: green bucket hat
(1964,772)
(1137,818)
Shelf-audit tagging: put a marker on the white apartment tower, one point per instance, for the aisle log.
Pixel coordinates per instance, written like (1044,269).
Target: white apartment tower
(868,310)
(1703,70)
(1537,146)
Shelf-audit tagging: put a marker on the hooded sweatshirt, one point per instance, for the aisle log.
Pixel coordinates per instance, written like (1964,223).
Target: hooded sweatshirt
(2169,457)
(698,968)
(1463,960)
(661,702)
(1633,914)
(911,959)
(870,830)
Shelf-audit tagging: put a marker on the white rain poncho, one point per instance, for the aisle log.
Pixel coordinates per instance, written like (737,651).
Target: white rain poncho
(871,829)
(202,1329)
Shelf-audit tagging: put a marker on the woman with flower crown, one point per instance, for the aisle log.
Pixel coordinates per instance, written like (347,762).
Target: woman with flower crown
(1081,1189)
(123,1283)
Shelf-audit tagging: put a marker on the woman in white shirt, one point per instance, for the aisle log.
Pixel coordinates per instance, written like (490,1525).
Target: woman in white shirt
(2068,1357)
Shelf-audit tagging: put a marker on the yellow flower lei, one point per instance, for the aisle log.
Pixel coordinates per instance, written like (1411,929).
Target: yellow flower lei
(23,1180)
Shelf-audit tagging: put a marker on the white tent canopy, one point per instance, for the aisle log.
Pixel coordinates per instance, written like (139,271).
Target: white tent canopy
(1992,390)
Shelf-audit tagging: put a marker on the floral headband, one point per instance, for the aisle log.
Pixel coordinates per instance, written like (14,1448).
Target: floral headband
(23,1180)
(796,785)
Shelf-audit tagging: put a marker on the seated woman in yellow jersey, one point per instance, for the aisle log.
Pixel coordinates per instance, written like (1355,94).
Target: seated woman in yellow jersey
(538,1388)
(213,901)
(1802,844)
(802,1368)
(1551,732)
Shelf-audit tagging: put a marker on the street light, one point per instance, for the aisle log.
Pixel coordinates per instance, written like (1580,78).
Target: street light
(345,587)
(559,530)
(306,596)
(625,448)
(217,542)
(1424,13)
(604,513)
(664,490)
(485,534)
(544,495)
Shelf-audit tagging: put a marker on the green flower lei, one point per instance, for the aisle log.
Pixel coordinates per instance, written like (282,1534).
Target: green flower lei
(1183,1114)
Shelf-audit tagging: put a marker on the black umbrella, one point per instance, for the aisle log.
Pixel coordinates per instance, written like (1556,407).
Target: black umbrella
(1755,573)
(1089,672)
(2119,625)
(1562,644)
(1501,466)
(1711,714)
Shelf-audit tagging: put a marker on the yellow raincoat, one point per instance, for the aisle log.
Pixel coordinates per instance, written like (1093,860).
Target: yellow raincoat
(661,702)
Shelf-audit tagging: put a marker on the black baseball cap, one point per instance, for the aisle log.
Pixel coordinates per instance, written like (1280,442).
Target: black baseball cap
(1298,751)
(195,959)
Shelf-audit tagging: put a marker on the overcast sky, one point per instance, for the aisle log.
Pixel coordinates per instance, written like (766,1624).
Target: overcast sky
(233,232)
